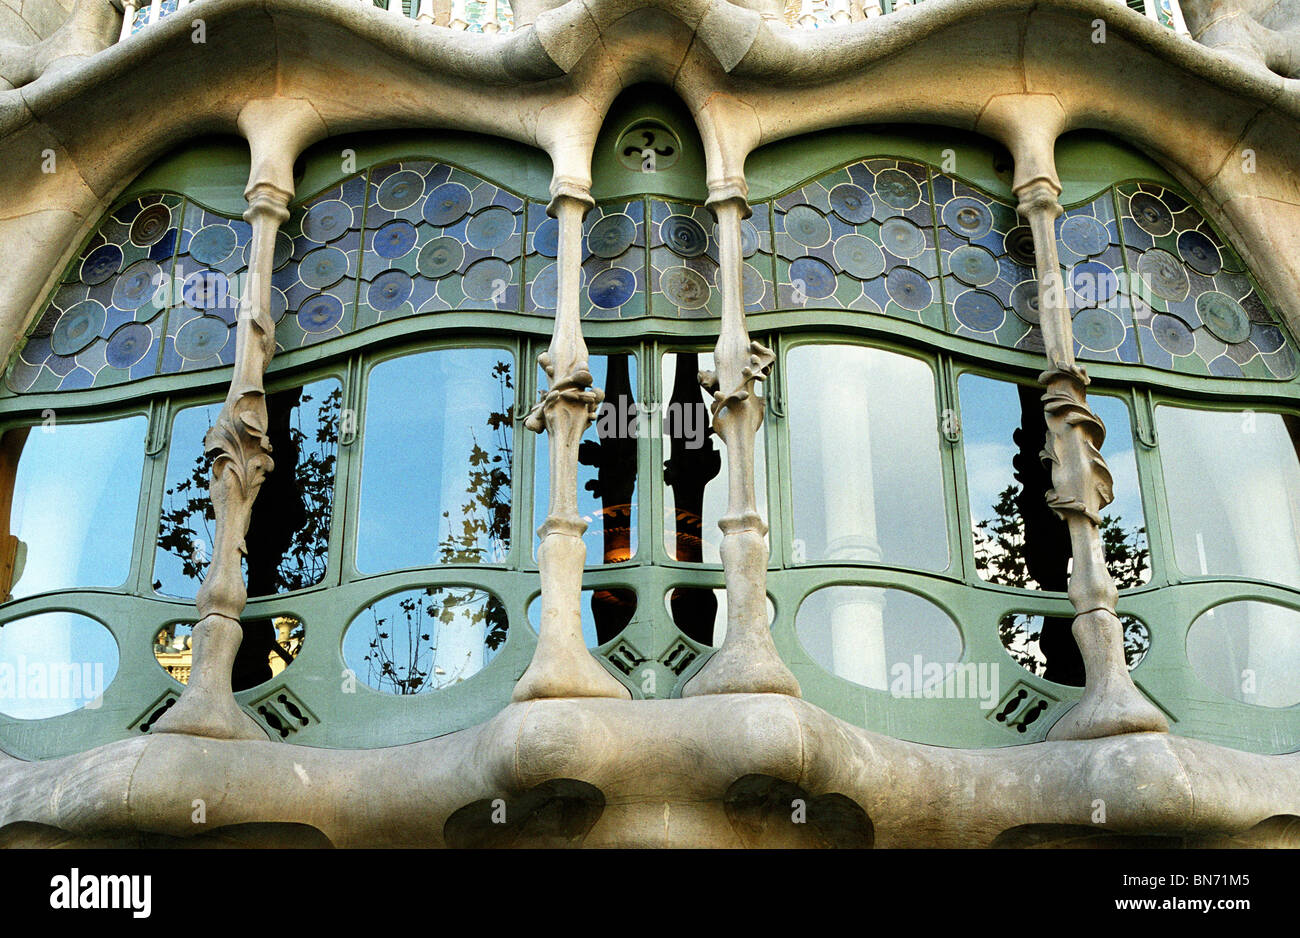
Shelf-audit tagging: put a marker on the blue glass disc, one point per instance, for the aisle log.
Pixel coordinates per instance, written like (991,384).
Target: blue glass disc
(202,337)
(440,257)
(213,244)
(101,264)
(611,235)
(1200,253)
(807,226)
(395,239)
(546,239)
(389,290)
(137,284)
(1172,334)
(909,288)
(851,203)
(490,228)
(1093,283)
(323,267)
(400,190)
(684,235)
(967,216)
(320,313)
(973,265)
(326,221)
(78,327)
(978,310)
(487,279)
(128,345)
(611,288)
(446,204)
(1084,235)
(816,277)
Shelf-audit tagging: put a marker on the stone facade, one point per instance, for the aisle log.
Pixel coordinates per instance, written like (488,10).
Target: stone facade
(572,758)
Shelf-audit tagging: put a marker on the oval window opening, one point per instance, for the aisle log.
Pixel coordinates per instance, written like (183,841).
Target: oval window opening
(700,613)
(280,637)
(605,614)
(885,639)
(1248,651)
(54,663)
(1045,646)
(423,640)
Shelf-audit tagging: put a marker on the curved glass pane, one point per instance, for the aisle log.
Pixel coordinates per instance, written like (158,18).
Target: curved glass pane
(695,463)
(1019,541)
(701,613)
(270,645)
(885,639)
(288,535)
(864,456)
(1232,481)
(423,640)
(1248,651)
(605,613)
(75,493)
(54,663)
(437,465)
(607,460)
(1037,643)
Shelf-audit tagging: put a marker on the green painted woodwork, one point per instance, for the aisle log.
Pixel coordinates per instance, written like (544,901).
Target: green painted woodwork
(341,715)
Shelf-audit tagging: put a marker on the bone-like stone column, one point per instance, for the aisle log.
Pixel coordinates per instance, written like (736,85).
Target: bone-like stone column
(562,666)
(276,129)
(747,662)
(1081,487)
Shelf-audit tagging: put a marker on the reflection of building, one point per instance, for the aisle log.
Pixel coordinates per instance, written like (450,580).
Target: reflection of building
(175,651)
(759,217)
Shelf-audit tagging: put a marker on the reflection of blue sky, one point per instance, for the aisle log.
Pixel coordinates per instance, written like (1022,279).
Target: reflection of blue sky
(76,494)
(424,415)
(54,663)
(455,650)
(186,445)
(990,413)
(589,507)
(189,428)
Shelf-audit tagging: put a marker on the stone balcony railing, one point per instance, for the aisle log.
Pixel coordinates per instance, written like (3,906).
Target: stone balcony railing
(492,16)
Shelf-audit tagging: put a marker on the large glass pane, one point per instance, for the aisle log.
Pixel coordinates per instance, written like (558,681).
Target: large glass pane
(606,464)
(1019,541)
(74,492)
(437,464)
(695,463)
(864,457)
(54,663)
(288,535)
(423,640)
(1248,651)
(1232,480)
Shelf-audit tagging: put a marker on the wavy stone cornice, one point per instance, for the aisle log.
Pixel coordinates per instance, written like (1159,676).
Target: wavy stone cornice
(913,795)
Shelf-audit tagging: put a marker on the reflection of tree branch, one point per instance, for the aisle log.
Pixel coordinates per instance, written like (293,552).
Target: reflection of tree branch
(1002,552)
(484,537)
